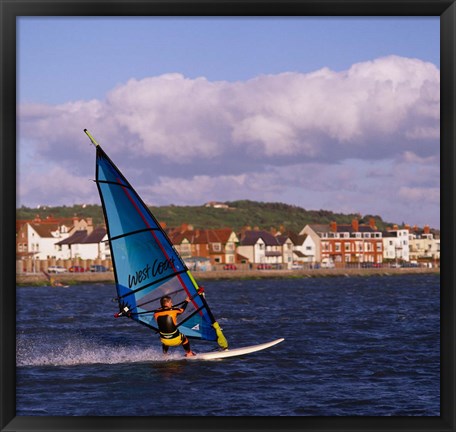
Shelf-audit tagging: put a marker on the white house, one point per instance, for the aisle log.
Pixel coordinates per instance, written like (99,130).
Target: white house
(424,246)
(305,248)
(253,248)
(85,244)
(287,250)
(260,247)
(396,244)
(41,239)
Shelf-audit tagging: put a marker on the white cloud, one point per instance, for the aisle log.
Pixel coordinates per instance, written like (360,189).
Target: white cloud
(212,140)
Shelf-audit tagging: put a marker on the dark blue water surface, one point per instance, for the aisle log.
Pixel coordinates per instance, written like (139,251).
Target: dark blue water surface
(353,346)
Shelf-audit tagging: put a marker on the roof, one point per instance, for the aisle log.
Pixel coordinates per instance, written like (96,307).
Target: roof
(76,238)
(96,236)
(320,228)
(297,239)
(251,237)
(45,230)
(82,237)
(282,239)
(213,236)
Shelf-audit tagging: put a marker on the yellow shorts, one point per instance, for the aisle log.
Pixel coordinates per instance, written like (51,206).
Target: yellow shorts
(174,341)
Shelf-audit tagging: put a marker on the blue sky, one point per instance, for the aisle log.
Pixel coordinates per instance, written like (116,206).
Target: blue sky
(331,113)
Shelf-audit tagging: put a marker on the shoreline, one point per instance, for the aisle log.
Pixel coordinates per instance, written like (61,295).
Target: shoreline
(40,279)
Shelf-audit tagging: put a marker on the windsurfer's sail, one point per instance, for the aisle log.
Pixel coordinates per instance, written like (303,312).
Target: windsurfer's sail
(146,264)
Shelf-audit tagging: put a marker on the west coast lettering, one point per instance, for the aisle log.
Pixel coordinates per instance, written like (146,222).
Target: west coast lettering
(157,268)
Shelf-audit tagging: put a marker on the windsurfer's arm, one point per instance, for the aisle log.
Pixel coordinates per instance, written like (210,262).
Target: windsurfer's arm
(184,305)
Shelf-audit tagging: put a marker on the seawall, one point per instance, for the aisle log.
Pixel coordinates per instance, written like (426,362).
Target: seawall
(39,279)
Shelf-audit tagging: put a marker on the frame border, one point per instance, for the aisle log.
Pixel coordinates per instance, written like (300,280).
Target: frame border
(11,9)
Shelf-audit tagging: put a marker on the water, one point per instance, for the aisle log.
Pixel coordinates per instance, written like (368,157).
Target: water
(353,346)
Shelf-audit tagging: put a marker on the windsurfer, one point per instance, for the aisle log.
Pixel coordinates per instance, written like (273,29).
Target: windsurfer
(167,325)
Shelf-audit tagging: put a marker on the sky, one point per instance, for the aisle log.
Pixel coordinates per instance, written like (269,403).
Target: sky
(332,113)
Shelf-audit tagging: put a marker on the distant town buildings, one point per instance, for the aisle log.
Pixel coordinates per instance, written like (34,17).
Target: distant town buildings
(325,245)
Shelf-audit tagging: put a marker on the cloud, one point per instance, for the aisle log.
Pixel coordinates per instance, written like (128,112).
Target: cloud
(212,139)
(391,103)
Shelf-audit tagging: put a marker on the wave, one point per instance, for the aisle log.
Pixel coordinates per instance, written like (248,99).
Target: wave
(82,352)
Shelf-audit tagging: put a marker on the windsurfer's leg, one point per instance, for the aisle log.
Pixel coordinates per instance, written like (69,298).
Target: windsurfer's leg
(165,348)
(186,346)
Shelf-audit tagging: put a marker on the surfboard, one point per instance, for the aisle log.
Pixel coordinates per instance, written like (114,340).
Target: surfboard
(215,355)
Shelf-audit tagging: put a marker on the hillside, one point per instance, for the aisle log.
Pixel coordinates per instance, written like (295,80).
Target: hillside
(238,214)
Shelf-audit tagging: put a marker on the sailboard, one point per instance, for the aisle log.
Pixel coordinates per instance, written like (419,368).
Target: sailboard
(216,355)
(145,262)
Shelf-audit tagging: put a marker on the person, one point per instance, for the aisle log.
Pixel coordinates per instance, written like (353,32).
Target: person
(166,318)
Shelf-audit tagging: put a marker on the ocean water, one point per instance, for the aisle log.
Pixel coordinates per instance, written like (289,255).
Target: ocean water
(353,346)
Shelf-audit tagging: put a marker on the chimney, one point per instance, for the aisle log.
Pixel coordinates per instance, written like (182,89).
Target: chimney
(333,226)
(426,229)
(355,225)
(372,223)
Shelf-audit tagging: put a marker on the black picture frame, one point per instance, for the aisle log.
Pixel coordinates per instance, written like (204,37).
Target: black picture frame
(10,10)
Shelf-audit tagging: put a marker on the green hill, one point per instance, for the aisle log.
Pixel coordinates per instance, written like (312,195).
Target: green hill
(238,214)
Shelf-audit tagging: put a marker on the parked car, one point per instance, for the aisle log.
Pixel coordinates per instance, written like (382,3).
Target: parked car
(76,269)
(264,267)
(98,268)
(229,267)
(297,267)
(56,269)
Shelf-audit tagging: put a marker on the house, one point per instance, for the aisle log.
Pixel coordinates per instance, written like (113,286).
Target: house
(218,245)
(36,238)
(424,245)
(183,242)
(343,243)
(287,250)
(85,244)
(304,248)
(396,244)
(260,247)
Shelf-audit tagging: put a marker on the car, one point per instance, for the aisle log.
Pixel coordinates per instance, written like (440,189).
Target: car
(297,267)
(410,264)
(98,268)
(56,269)
(76,269)
(264,267)
(229,267)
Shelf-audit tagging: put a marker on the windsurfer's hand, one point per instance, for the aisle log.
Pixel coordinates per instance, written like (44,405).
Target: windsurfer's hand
(187,299)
